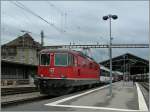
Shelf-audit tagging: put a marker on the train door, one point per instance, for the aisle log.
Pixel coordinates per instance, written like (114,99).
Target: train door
(71,65)
(76,70)
(44,64)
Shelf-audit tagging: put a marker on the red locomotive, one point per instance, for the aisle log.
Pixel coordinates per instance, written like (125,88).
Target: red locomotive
(61,71)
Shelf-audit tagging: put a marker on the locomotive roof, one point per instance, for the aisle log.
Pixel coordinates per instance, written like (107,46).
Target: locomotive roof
(67,50)
(57,50)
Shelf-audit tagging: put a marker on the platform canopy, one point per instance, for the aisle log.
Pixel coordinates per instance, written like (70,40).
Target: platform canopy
(128,63)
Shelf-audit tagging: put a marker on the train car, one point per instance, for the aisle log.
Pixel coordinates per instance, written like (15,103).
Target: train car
(105,75)
(118,76)
(61,71)
(141,77)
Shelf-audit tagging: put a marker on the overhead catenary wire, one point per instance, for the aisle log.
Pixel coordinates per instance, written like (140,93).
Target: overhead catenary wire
(63,16)
(52,5)
(46,36)
(20,5)
(37,15)
(13,18)
(23,7)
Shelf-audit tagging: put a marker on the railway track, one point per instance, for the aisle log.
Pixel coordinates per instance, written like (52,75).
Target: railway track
(21,98)
(18,90)
(145,85)
(145,91)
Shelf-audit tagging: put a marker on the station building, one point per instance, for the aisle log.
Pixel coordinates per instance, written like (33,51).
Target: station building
(22,49)
(16,73)
(19,60)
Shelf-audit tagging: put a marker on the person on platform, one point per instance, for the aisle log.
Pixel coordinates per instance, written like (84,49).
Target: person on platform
(134,80)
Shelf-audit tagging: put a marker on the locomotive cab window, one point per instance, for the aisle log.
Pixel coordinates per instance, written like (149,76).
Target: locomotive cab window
(45,59)
(61,59)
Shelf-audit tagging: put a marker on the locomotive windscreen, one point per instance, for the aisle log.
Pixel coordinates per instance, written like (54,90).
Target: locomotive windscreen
(64,59)
(61,59)
(45,59)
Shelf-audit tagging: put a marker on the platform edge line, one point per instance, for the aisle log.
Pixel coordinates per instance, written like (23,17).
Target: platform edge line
(75,96)
(92,107)
(141,100)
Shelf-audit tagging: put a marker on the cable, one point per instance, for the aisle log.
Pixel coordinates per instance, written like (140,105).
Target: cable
(20,5)
(21,25)
(52,5)
(63,16)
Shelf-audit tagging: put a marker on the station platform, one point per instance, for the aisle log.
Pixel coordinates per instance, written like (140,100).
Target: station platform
(18,86)
(9,99)
(18,89)
(126,96)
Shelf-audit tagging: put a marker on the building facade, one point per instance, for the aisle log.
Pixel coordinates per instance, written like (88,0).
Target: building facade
(23,49)
(15,73)
(19,60)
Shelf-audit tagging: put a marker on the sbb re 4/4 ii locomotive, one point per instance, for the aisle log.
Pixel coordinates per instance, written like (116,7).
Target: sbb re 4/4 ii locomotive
(62,71)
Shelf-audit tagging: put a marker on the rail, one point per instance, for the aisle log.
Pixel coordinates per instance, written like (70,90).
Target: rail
(145,85)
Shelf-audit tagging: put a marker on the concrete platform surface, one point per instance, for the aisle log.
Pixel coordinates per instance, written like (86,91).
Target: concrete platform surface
(125,97)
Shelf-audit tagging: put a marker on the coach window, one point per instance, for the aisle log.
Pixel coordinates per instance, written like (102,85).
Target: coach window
(61,59)
(45,59)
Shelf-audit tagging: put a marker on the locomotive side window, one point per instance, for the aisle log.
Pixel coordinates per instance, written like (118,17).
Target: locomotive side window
(70,59)
(61,59)
(91,66)
(45,59)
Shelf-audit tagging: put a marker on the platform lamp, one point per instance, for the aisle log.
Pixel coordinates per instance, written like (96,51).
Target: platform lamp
(110,50)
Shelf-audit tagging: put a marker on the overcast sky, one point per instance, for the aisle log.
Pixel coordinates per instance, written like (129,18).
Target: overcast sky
(82,24)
